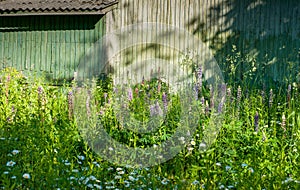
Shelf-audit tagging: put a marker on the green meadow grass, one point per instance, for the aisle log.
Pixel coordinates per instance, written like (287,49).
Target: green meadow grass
(41,147)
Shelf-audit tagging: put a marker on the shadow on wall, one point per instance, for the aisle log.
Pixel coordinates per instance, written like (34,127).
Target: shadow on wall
(258,41)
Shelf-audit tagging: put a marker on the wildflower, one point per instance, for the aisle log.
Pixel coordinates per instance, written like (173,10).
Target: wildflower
(193,143)
(40,90)
(6,172)
(229,93)
(196,89)
(98,186)
(67,163)
(14,152)
(165,101)
(118,177)
(26,176)
(271,98)
(202,101)
(81,157)
(220,107)
(121,172)
(155,110)
(13,177)
(256,118)
(202,145)
(227,168)
(244,165)
(199,78)
(105,96)
(159,87)
(190,149)
(10,163)
(75,170)
(195,182)
(283,123)
(164,181)
(126,183)
(70,104)
(130,97)
(119,169)
(251,170)
(218,164)
(136,91)
(93,178)
(87,103)
(239,95)
(90,185)
(182,140)
(131,178)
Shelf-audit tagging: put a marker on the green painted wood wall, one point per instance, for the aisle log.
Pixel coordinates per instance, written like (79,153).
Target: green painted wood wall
(49,45)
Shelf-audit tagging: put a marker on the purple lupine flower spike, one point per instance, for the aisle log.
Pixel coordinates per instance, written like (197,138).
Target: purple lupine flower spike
(165,101)
(130,97)
(256,121)
(199,76)
(196,89)
(220,107)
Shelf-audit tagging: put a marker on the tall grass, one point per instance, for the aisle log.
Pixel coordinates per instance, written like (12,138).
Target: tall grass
(257,147)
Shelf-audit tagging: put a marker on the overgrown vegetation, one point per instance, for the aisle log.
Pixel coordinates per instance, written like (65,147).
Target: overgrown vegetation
(257,147)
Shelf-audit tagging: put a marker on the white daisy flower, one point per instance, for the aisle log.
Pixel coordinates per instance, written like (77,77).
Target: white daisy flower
(14,152)
(26,176)
(10,163)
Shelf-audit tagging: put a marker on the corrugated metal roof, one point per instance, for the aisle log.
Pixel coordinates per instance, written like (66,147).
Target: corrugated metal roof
(55,6)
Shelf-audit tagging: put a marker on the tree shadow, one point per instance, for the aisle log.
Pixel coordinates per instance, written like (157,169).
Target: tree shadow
(260,39)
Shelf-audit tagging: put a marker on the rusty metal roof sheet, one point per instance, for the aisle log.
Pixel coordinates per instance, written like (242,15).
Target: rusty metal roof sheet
(55,6)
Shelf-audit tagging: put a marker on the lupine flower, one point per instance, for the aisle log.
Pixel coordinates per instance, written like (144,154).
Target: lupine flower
(199,77)
(202,100)
(87,103)
(165,101)
(8,78)
(196,89)
(271,98)
(105,96)
(70,104)
(40,90)
(220,107)
(283,123)
(239,94)
(256,120)
(155,110)
(159,87)
(229,92)
(143,81)
(130,97)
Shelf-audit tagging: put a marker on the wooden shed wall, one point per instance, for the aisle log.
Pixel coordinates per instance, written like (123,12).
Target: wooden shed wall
(52,45)
(266,33)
